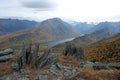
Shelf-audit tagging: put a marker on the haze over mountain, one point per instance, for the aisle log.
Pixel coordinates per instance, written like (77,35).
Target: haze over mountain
(84,28)
(13,25)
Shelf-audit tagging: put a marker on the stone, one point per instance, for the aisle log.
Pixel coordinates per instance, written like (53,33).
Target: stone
(6,52)
(100,65)
(42,77)
(6,57)
(15,66)
(54,70)
(76,53)
(88,65)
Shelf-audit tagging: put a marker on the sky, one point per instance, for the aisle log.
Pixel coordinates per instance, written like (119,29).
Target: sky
(78,10)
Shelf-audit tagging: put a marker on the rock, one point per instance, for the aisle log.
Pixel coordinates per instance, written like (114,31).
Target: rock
(88,65)
(100,65)
(23,78)
(6,57)
(46,59)
(15,66)
(63,71)
(42,77)
(76,53)
(6,52)
(55,70)
(10,76)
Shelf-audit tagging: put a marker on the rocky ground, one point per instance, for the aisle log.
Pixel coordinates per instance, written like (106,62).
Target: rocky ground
(70,65)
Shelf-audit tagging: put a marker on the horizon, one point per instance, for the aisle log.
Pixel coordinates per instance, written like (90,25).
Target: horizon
(74,10)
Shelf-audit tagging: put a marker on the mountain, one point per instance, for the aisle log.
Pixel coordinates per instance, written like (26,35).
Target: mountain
(91,38)
(107,50)
(13,25)
(85,40)
(101,31)
(48,30)
(113,27)
(84,28)
(58,28)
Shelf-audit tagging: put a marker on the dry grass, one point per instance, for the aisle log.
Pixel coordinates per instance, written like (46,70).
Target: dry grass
(5,68)
(50,77)
(97,75)
(67,61)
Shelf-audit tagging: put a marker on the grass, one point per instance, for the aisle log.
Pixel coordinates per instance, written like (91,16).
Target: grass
(67,61)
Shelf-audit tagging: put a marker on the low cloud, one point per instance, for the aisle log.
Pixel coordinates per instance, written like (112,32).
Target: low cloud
(39,4)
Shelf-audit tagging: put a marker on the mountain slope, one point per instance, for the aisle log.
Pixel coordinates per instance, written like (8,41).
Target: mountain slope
(58,28)
(84,28)
(13,25)
(48,30)
(91,38)
(106,50)
(113,27)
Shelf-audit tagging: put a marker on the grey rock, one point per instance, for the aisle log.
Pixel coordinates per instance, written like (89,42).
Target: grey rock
(23,78)
(42,77)
(6,52)
(88,65)
(15,66)
(6,57)
(54,70)
(60,70)
(76,53)
(100,65)
(46,59)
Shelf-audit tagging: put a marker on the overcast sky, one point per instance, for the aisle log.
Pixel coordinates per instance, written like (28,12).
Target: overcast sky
(79,10)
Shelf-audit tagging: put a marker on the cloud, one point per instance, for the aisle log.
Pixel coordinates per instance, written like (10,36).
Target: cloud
(39,4)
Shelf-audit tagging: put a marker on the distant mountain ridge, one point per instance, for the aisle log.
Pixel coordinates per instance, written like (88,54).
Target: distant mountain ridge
(85,28)
(113,27)
(13,25)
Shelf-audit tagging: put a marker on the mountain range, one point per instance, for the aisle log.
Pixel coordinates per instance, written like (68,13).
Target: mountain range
(48,30)
(12,25)
(55,29)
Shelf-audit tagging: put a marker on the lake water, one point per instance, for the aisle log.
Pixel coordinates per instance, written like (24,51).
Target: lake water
(53,43)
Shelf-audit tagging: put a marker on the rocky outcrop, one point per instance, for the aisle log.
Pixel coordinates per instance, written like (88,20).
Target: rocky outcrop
(27,56)
(31,58)
(46,59)
(99,65)
(6,52)
(6,55)
(60,70)
(76,53)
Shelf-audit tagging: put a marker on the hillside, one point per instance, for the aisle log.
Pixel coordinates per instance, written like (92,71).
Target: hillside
(84,28)
(106,50)
(113,27)
(85,40)
(13,25)
(48,30)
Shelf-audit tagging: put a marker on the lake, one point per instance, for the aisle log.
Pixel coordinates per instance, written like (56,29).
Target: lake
(53,43)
